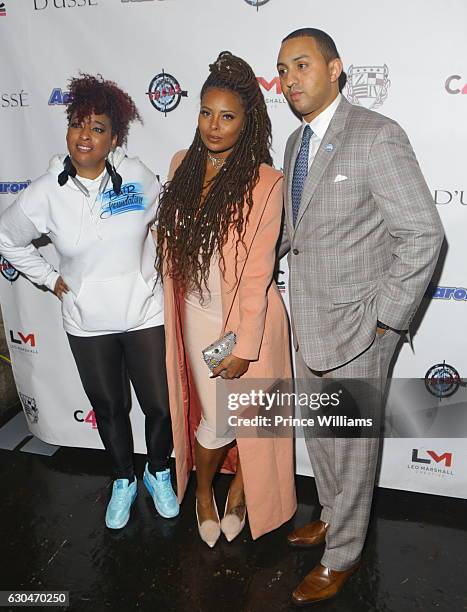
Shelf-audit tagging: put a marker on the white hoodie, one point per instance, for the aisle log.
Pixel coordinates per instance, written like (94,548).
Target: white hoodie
(103,241)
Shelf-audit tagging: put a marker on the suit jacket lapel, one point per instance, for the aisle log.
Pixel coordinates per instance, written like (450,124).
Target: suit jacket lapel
(327,149)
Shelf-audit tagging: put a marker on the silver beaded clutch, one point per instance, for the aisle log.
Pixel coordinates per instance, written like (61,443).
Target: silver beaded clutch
(218,350)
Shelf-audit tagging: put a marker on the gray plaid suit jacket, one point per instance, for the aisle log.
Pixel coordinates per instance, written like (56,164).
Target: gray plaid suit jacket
(363,248)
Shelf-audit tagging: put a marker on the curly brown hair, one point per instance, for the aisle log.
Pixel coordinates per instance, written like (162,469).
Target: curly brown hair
(187,240)
(92,94)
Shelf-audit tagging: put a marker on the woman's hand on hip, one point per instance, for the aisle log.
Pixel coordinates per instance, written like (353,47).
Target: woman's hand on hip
(231,367)
(60,288)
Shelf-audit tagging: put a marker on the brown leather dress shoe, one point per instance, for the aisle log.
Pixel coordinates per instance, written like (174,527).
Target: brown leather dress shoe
(320,584)
(309,535)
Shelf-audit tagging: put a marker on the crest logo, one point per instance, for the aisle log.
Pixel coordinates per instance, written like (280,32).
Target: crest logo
(30,408)
(7,270)
(367,85)
(442,380)
(165,92)
(257,3)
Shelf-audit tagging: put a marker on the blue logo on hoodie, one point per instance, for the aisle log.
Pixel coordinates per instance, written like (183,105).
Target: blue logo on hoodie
(130,198)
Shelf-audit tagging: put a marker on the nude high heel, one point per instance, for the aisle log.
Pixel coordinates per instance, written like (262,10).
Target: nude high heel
(231,525)
(209,531)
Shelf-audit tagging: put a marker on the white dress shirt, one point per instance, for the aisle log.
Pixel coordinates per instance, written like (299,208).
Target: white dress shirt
(319,125)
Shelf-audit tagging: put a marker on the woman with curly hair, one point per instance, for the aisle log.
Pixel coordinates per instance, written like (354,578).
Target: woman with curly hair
(96,205)
(217,228)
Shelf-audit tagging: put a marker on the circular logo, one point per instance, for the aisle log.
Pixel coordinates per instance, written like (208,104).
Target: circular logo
(165,92)
(442,380)
(257,3)
(7,270)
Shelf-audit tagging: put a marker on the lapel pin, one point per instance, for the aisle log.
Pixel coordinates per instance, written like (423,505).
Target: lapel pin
(329,147)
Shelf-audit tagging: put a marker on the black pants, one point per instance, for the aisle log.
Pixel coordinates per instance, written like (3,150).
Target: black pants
(106,364)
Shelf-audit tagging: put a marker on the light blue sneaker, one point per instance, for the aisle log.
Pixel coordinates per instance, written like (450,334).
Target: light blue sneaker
(118,509)
(160,488)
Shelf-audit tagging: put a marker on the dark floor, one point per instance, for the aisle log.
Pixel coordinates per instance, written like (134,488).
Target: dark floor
(53,537)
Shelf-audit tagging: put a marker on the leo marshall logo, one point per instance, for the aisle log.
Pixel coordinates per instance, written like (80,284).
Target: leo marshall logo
(14,99)
(58,97)
(13,187)
(367,85)
(442,380)
(40,5)
(89,418)
(2,9)
(455,84)
(431,463)
(30,408)
(257,3)
(7,270)
(25,343)
(447,293)
(165,92)
(272,90)
(442,197)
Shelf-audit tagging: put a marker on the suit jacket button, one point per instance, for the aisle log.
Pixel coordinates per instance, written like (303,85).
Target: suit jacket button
(295,251)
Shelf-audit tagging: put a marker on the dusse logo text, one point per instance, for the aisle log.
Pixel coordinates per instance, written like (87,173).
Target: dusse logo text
(446,196)
(14,100)
(40,5)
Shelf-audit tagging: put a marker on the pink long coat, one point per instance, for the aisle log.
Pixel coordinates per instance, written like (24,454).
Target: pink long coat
(259,319)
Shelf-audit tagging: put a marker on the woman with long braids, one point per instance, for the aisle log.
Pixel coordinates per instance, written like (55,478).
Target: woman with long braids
(97,205)
(218,224)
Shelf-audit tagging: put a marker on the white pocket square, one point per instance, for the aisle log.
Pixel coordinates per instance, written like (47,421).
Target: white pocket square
(339,178)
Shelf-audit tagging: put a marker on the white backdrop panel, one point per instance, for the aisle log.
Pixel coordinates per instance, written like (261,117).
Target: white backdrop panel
(47,41)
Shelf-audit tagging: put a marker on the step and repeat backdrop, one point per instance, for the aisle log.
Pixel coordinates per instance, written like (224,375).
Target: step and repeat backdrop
(159,51)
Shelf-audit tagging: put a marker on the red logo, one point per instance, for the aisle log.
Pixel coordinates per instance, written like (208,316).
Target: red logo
(89,418)
(22,338)
(446,458)
(270,85)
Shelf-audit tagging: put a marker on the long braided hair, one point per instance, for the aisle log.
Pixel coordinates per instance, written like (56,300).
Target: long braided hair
(190,232)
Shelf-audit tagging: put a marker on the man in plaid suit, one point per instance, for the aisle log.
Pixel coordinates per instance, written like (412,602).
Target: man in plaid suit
(363,236)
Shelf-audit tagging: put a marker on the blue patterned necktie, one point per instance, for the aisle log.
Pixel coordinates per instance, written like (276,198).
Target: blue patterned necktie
(300,171)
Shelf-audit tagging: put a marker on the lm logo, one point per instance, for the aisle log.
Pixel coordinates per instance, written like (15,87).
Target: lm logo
(274,84)
(445,458)
(89,418)
(22,339)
